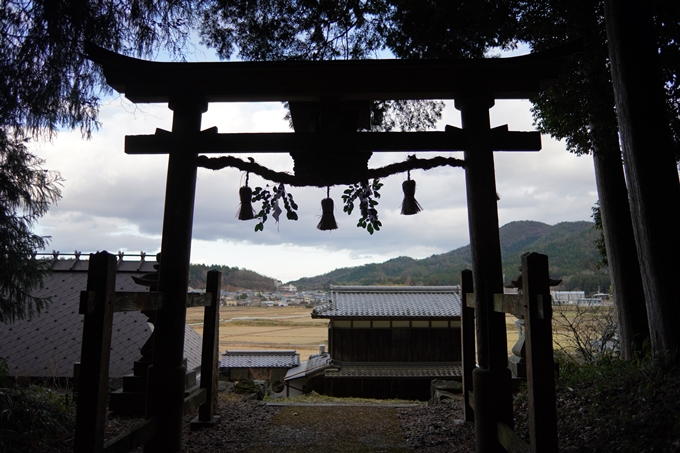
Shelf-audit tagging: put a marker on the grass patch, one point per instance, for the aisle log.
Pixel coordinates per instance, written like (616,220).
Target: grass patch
(35,419)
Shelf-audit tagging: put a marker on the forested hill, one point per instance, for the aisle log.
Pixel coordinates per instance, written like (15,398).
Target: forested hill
(233,278)
(569,245)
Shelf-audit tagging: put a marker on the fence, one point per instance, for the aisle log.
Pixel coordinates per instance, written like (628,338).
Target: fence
(97,304)
(534,304)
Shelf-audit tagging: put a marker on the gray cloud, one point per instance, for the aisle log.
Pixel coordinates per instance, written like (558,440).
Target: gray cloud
(115,201)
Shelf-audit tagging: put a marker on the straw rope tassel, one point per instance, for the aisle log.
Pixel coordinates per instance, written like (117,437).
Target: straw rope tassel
(327,221)
(410,205)
(246,211)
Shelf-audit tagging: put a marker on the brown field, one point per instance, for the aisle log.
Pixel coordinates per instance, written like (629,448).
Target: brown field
(294,328)
(272,328)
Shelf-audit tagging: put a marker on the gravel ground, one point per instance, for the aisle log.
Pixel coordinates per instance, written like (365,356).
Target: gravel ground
(247,427)
(438,429)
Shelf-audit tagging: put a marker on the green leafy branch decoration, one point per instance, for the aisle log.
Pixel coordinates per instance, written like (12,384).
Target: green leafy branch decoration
(367,194)
(270,204)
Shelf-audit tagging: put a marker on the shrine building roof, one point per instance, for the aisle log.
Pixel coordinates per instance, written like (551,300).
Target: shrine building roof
(391,302)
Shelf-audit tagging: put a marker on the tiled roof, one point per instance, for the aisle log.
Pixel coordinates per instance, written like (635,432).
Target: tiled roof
(390,302)
(50,343)
(260,359)
(315,365)
(193,345)
(440,370)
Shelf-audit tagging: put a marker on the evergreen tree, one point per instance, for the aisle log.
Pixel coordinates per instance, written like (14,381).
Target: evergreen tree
(270,30)
(647,141)
(580,110)
(47,84)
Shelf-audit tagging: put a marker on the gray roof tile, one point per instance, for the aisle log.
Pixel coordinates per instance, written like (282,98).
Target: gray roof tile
(49,344)
(260,359)
(316,364)
(445,370)
(391,302)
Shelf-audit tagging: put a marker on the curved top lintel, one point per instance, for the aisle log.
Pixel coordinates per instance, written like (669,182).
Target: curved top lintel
(496,78)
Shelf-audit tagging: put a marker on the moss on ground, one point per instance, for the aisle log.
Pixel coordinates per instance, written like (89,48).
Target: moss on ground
(315,398)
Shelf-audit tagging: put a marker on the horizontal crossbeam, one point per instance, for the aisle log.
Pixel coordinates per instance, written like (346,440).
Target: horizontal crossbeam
(194,400)
(133,438)
(139,300)
(209,141)
(509,303)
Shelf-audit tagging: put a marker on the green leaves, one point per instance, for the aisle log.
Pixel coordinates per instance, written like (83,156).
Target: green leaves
(270,204)
(366,193)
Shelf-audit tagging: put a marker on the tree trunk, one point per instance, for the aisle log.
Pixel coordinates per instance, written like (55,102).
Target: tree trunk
(650,168)
(624,268)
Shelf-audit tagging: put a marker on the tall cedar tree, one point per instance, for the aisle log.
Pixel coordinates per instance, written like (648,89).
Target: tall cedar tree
(46,84)
(580,110)
(641,100)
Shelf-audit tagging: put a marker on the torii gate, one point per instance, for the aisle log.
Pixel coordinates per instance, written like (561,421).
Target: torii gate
(188,88)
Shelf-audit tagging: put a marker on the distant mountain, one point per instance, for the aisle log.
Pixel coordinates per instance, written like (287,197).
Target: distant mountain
(569,245)
(233,278)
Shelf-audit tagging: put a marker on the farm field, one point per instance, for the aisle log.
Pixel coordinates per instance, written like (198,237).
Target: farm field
(266,328)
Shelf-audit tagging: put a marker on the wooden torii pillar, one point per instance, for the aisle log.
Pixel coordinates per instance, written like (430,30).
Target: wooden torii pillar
(189,87)
(166,375)
(492,379)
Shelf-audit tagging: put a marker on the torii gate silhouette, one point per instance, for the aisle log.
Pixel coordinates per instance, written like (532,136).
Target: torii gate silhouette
(188,88)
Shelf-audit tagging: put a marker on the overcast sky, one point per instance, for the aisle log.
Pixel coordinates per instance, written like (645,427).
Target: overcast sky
(113,201)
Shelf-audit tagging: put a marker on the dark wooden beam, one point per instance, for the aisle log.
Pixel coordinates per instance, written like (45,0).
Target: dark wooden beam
(499,78)
(491,381)
(94,356)
(166,376)
(162,142)
(509,303)
(193,401)
(132,438)
(540,356)
(200,299)
(467,337)
(210,353)
(510,440)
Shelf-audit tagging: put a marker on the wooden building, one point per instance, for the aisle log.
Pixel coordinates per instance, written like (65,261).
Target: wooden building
(390,341)
(267,365)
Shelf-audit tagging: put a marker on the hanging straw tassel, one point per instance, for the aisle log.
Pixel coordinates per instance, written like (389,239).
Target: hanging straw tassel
(327,221)
(410,205)
(246,211)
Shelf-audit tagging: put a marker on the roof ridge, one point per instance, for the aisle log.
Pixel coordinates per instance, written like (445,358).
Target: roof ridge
(404,289)
(233,352)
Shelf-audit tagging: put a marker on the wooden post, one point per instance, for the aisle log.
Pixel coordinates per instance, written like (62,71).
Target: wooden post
(209,354)
(166,376)
(540,362)
(95,354)
(493,374)
(467,334)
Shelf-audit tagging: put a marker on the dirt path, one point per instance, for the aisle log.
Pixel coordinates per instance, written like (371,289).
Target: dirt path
(302,429)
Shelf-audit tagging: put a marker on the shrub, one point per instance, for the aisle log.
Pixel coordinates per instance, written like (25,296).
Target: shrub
(34,419)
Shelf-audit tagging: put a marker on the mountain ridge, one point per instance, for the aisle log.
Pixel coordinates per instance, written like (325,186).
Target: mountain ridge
(569,245)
